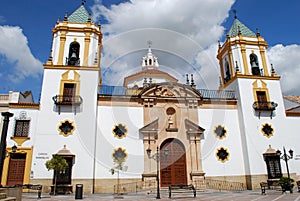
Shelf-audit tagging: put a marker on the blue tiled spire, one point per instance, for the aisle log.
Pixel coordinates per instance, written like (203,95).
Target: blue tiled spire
(80,15)
(238,27)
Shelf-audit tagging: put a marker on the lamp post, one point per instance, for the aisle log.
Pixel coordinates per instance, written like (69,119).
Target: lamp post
(6,116)
(286,157)
(156,157)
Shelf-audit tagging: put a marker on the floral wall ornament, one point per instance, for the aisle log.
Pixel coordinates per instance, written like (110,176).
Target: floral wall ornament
(222,154)
(119,155)
(120,131)
(220,131)
(66,128)
(267,130)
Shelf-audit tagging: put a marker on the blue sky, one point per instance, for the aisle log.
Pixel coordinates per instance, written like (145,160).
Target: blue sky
(25,36)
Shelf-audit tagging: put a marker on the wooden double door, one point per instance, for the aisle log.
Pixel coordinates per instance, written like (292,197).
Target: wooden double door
(173,165)
(16,169)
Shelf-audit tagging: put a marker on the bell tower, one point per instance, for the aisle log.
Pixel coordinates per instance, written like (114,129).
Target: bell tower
(245,69)
(68,103)
(243,54)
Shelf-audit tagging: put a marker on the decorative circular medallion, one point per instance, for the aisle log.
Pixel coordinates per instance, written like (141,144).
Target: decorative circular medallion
(119,155)
(220,131)
(222,154)
(267,130)
(66,128)
(120,131)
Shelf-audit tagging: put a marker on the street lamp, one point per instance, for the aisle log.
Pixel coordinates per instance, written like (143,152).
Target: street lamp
(156,157)
(286,157)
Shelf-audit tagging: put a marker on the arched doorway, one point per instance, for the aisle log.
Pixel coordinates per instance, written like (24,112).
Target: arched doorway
(173,167)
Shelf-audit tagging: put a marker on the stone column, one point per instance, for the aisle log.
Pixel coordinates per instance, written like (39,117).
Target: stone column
(6,116)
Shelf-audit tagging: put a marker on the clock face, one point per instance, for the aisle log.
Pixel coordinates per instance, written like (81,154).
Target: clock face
(120,131)
(220,132)
(267,130)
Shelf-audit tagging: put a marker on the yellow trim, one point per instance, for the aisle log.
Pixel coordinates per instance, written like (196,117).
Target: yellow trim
(62,48)
(77,29)
(20,140)
(65,79)
(87,41)
(231,63)
(61,67)
(261,129)
(263,58)
(263,88)
(28,151)
(222,71)
(70,132)
(24,105)
(115,135)
(248,77)
(215,131)
(243,51)
(219,159)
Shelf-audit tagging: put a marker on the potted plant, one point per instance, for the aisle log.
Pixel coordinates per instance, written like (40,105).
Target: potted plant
(286,184)
(58,164)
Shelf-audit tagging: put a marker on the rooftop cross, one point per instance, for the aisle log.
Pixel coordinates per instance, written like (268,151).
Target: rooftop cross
(83,2)
(234,12)
(149,43)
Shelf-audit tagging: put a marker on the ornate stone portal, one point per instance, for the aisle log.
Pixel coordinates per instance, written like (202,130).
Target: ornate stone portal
(171,123)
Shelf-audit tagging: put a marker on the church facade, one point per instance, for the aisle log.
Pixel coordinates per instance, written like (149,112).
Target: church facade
(153,124)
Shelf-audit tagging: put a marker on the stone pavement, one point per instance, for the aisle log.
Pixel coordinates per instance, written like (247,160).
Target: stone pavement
(208,196)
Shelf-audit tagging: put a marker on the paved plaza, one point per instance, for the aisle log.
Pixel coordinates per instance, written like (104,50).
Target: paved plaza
(209,196)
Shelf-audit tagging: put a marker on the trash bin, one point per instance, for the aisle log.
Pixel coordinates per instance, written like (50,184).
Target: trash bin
(78,191)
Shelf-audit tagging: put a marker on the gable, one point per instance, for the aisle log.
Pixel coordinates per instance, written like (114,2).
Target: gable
(170,90)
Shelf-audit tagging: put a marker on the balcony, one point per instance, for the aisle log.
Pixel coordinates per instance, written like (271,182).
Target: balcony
(63,100)
(264,106)
(268,106)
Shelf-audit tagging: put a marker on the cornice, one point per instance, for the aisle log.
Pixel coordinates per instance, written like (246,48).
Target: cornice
(63,67)
(24,105)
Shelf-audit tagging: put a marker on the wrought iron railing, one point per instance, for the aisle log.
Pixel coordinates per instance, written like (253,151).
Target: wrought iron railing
(67,100)
(264,105)
(206,93)
(217,94)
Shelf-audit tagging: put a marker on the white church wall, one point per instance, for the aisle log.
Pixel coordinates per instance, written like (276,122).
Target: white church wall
(253,122)
(209,119)
(132,118)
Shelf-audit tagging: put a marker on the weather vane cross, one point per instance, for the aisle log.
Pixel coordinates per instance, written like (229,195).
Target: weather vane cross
(149,43)
(83,2)
(234,12)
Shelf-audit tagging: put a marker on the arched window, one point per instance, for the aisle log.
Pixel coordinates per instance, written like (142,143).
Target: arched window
(73,59)
(254,64)
(227,72)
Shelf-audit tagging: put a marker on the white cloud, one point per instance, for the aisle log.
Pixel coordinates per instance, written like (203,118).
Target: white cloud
(182,28)
(184,33)
(285,60)
(14,47)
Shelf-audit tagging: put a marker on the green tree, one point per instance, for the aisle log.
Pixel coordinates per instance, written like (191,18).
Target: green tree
(58,164)
(119,158)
